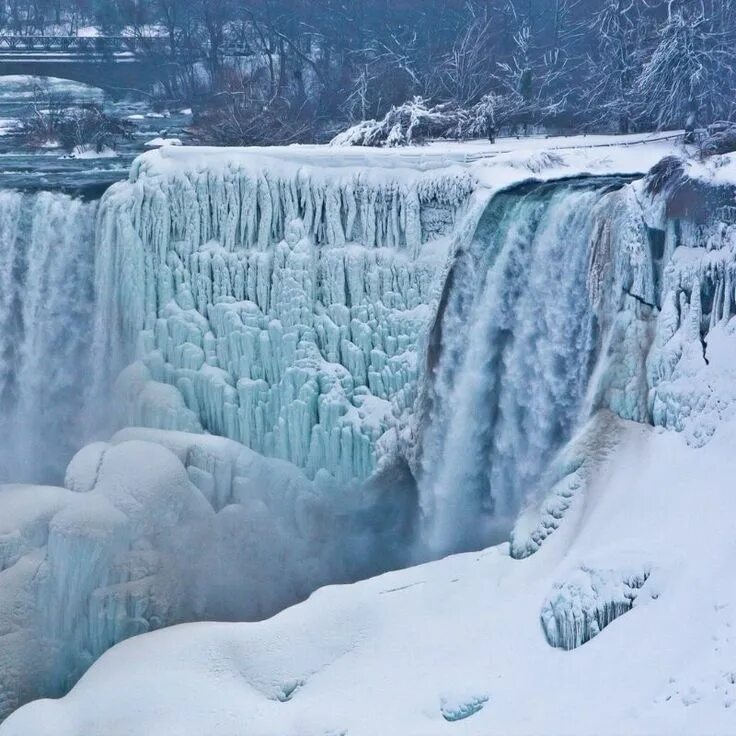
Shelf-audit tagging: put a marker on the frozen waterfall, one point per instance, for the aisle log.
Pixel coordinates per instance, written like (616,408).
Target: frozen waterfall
(278,305)
(46,298)
(514,347)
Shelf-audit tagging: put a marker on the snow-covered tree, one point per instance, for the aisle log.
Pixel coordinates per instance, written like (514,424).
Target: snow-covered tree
(691,75)
(614,63)
(412,123)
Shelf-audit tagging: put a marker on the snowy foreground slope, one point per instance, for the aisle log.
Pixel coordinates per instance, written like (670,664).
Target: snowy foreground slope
(155,528)
(457,646)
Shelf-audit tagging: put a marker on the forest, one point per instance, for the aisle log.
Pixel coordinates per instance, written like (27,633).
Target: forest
(286,70)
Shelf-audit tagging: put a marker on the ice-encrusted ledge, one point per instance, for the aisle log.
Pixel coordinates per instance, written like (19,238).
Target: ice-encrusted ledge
(277,304)
(590,599)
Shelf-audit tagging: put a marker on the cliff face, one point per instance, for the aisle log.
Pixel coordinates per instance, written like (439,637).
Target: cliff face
(281,306)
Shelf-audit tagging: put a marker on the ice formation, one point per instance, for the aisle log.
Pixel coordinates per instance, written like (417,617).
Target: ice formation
(458,709)
(289,307)
(582,606)
(690,369)
(280,307)
(156,528)
(565,482)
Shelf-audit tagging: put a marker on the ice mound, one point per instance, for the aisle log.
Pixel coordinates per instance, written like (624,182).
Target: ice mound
(85,571)
(456,708)
(588,601)
(157,528)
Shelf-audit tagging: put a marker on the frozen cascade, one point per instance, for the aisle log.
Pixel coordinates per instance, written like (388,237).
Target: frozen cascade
(280,306)
(46,298)
(515,342)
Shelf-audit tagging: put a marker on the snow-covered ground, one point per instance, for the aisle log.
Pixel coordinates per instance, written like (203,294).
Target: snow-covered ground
(458,646)
(597,154)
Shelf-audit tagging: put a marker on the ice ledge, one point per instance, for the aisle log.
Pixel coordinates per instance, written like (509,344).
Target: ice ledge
(594,154)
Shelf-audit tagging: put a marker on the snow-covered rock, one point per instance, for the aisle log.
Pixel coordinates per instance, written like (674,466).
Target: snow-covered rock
(88,151)
(159,142)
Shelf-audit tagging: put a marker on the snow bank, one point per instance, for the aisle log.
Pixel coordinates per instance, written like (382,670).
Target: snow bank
(459,646)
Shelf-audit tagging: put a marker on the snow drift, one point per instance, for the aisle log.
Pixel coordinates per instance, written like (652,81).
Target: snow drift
(156,528)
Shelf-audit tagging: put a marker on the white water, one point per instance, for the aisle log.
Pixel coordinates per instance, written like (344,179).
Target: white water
(46,301)
(517,344)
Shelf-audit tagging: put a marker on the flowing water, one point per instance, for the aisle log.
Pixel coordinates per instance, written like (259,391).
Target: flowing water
(46,298)
(514,346)
(48,204)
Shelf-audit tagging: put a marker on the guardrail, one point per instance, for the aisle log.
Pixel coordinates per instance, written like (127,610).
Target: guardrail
(91,46)
(82,45)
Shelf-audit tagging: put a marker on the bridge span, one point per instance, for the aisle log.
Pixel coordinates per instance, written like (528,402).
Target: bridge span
(104,61)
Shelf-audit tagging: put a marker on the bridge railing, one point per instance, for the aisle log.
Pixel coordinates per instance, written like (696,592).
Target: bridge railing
(83,45)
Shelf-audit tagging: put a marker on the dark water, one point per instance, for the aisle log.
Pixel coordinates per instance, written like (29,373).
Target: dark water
(28,169)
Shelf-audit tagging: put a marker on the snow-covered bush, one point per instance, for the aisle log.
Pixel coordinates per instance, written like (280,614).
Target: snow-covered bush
(416,122)
(412,123)
(88,126)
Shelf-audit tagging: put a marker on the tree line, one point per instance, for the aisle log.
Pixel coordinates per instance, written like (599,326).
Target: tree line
(304,68)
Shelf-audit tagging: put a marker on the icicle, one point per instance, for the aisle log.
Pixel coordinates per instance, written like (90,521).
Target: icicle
(270,272)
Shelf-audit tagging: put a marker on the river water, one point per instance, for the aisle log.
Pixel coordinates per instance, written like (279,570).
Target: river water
(24,168)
